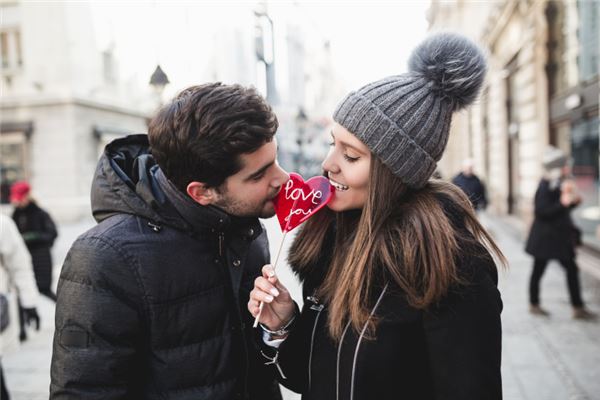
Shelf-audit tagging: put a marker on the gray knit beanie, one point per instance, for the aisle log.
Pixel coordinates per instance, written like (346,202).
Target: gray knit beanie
(405,119)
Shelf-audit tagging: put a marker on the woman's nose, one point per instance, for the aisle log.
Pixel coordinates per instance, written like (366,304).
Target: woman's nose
(328,163)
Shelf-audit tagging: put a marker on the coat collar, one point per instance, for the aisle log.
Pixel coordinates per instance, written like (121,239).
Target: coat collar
(206,218)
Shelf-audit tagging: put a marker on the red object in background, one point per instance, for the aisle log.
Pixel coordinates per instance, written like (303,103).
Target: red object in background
(299,200)
(19,190)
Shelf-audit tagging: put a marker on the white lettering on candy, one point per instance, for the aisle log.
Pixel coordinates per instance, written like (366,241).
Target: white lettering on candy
(296,194)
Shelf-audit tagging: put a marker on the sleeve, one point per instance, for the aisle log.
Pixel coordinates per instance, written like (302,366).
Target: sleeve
(49,232)
(463,336)
(289,361)
(98,324)
(17,261)
(484,200)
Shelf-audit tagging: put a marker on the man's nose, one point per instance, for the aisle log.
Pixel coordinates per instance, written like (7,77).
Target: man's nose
(281,178)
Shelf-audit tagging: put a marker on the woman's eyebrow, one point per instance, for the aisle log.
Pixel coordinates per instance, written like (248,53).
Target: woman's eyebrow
(345,144)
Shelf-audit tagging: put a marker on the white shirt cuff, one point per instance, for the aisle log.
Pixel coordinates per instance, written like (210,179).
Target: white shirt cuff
(271,343)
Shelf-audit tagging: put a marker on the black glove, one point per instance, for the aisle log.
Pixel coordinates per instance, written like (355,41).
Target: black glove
(30,315)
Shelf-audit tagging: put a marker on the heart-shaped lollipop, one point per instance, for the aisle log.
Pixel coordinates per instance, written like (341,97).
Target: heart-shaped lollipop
(299,200)
(296,202)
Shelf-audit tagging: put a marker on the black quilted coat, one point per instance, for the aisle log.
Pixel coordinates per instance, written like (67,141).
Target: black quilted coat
(151,305)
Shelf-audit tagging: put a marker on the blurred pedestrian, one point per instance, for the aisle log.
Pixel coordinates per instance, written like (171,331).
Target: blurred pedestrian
(150,300)
(400,296)
(471,185)
(38,231)
(553,235)
(15,273)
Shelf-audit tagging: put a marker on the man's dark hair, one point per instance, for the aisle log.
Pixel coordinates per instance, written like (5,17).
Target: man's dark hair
(199,135)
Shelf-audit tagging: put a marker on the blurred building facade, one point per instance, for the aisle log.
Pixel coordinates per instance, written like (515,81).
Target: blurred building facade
(312,90)
(61,101)
(62,98)
(306,86)
(541,89)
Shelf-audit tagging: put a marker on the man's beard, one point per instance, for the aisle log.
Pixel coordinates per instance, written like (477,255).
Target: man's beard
(241,209)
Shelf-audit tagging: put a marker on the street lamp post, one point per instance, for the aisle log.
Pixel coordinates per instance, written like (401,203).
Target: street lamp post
(301,121)
(265,50)
(158,81)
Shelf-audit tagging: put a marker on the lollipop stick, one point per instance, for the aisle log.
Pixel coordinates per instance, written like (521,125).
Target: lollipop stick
(285,231)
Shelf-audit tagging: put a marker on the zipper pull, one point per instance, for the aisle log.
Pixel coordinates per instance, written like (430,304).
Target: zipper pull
(315,306)
(274,361)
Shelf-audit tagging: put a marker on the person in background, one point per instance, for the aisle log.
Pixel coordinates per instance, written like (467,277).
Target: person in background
(38,231)
(15,273)
(553,235)
(471,185)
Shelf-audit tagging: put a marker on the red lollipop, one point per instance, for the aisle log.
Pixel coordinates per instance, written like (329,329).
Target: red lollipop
(299,200)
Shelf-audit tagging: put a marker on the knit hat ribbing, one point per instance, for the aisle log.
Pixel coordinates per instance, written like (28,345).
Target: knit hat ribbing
(405,119)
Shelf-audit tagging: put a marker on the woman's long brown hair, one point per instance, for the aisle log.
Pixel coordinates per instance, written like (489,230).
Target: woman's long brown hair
(406,233)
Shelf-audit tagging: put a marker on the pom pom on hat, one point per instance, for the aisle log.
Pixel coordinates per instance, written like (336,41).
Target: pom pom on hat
(454,66)
(405,119)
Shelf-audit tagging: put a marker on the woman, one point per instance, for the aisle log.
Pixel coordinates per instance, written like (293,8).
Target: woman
(400,291)
(38,231)
(553,234)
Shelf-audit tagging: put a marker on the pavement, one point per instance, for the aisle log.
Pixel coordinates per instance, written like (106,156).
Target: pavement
(544,358)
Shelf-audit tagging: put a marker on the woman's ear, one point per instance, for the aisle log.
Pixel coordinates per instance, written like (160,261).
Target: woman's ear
(201,193)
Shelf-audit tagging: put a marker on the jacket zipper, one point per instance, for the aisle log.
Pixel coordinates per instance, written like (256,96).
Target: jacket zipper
(317,307)
(337,370)
(362,333)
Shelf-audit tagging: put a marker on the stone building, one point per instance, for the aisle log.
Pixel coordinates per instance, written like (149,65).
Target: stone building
(60,101)
(541,89)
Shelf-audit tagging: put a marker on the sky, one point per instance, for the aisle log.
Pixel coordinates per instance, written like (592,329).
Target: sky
(369,39)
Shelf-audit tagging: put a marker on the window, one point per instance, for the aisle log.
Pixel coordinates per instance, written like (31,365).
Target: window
(589,42)
(573,43)
(10,49)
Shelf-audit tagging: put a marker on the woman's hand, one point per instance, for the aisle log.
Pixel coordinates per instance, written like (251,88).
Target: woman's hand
(278,306)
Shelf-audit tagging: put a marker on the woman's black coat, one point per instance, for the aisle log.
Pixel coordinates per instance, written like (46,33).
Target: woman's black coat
(39,233)
(553,234)
(451,351)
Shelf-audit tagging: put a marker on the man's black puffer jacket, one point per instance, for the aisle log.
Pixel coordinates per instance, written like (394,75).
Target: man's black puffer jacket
(151,305)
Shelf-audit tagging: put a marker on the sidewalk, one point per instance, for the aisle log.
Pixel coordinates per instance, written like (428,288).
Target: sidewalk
(553,358)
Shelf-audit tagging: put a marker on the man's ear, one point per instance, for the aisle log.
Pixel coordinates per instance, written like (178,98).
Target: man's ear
(201,193)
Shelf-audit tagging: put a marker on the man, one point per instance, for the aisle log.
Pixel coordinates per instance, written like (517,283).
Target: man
(471,185)
(151,301)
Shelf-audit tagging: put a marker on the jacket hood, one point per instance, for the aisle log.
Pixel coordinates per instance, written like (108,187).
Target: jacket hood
(124,183)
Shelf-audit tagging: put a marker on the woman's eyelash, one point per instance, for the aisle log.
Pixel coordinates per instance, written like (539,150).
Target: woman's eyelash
(346,157)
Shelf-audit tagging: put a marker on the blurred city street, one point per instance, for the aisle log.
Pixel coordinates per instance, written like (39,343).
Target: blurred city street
(108,78)
(553,358)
